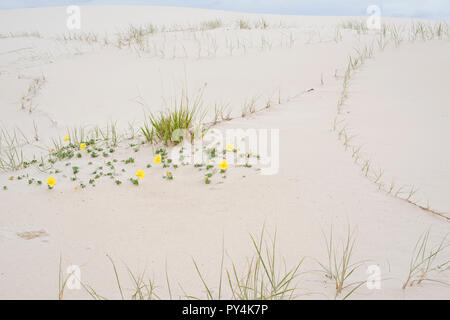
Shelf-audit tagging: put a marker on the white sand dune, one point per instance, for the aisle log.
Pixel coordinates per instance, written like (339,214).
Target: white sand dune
(398,108)
(411,109)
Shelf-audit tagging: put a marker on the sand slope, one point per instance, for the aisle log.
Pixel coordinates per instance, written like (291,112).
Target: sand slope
(411,109)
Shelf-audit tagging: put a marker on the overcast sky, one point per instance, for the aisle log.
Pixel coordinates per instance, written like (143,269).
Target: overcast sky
(433,9)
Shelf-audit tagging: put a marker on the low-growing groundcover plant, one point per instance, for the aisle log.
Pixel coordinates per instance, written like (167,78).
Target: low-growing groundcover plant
(183,123)
(214,162)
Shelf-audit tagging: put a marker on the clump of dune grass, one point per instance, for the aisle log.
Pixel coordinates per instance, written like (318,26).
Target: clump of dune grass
(427,31)
(249,106)
(11,154)
(340,265)
(166,125)
(424,260)
(244,24)
(109,134)
(135,36)
(264,277)
(172,126)
(141,289)
(11,159)
(396,35)
(359,26)
(261,24)
(211,24)
(382,42)
(78,134)
(221,112)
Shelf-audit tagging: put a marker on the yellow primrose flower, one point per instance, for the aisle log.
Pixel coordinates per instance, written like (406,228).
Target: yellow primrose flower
(52,150)
(230,147)
(51,182)
(140,174)
(82,146)
(66,138)
(157,159)
(223,165)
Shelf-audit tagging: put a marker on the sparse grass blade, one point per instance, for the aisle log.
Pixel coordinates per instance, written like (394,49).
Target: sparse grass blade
(117,277)
(423,258)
